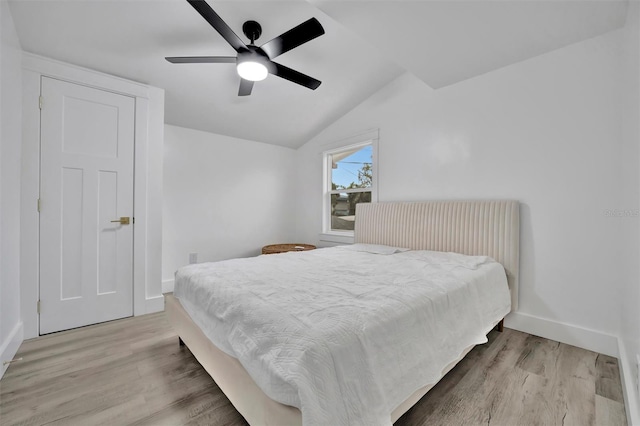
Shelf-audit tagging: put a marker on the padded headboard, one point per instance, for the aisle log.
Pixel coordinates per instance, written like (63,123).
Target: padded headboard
(479,228)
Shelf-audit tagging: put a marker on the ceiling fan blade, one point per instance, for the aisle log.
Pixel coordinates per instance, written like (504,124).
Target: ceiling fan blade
(201,59)
(245,87)
(293,75)
(217,23)
(293,38)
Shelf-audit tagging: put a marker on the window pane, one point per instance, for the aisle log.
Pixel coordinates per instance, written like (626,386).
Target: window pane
(352,168)
(343,209)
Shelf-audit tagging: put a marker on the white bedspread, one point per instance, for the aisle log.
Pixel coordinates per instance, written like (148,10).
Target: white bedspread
(345,336)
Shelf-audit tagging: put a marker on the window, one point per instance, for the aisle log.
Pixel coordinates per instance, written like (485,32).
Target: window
(349,176)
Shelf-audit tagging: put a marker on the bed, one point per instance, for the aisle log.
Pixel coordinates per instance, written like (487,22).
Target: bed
(431,230)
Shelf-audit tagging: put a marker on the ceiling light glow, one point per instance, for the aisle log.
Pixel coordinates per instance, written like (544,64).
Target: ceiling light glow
(252,71)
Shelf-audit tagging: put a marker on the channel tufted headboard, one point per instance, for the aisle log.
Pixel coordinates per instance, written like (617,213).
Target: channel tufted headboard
(480,228)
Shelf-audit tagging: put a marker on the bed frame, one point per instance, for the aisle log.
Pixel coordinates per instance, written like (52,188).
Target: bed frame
(484,227)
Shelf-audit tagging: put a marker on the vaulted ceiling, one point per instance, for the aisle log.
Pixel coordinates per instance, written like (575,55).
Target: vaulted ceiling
(367,44)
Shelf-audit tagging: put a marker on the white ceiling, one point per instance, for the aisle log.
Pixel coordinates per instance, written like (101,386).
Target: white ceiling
(367,44)
(444,42)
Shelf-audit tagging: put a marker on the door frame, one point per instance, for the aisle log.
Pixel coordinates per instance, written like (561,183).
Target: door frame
(147,209)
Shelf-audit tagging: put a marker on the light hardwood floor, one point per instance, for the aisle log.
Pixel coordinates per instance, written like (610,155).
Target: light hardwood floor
(133,371)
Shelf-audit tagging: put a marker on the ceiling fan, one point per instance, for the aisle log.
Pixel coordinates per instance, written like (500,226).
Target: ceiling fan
(255,63)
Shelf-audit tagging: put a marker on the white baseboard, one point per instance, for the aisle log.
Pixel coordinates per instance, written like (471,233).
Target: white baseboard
(167,286)
(11,345)
(565,333)
(154,304)
(629,388)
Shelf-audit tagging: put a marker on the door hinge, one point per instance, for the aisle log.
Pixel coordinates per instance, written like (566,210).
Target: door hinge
(40,99)
(38,307)
(38,205)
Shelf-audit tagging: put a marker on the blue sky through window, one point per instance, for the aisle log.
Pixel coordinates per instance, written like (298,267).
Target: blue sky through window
(348,167)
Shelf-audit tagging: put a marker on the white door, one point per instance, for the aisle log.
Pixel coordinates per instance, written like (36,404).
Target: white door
(86,183)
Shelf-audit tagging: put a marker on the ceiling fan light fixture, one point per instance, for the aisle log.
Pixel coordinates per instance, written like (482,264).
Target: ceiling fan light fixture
(254,63)
(252,70)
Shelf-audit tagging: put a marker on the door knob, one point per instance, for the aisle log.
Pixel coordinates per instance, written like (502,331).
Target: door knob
(122,221)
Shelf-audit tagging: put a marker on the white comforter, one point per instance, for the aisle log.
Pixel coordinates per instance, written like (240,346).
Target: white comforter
(345,336)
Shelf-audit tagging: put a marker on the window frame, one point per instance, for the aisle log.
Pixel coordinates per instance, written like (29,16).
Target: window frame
(361,141)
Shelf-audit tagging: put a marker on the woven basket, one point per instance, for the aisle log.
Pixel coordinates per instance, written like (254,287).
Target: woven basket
(282,248)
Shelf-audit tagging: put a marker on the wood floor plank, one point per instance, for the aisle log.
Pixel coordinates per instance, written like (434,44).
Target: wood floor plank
(133,372)
(522,401)
(472,398)
(608,377)
(609,412)
(538,355)
(503,394)
(578,363)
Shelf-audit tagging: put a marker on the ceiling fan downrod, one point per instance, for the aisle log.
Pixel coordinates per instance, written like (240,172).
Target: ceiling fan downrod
(252,30)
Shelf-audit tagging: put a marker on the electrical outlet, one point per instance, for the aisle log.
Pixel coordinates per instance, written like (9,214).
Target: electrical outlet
(193,258)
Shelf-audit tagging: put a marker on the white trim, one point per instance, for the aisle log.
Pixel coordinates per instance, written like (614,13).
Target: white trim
(334,237)
(168,285)
(88,77)
(140,207)
(350,190)
(565,333)
(10,346)
(29,194)
(629,387)
(154,304)
(149,140)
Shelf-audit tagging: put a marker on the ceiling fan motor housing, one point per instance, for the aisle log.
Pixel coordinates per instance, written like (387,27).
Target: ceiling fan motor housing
(253,54)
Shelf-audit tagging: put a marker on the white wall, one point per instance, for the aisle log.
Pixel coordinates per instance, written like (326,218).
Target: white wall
(630,313)
(547,132)
(223,198)
(10,148)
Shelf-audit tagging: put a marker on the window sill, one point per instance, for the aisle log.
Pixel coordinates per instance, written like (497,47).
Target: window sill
(340,238)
